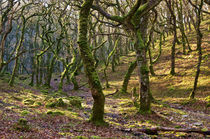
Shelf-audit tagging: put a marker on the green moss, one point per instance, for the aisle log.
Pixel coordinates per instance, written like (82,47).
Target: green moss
(60,103)
(61,93)
(45,92)
(25,112)
(80,137)
(16,98)
(187,102)
(98,122)
(28,102)
(95,137)
(38,104)
(178,126)
(47,98)
(55,113)
(144,112)
(22,121)
(50,105)
(144,70)
(22,125)
(207,99)
(56,103)
(75,103)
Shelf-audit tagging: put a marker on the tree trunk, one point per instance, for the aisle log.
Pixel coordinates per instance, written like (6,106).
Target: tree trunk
(11,82)
(127,77)
(88,60)
(199,49)
(143,72)
(170,5)
(50,72)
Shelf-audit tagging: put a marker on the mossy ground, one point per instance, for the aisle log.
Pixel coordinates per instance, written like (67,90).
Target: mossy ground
(56,114)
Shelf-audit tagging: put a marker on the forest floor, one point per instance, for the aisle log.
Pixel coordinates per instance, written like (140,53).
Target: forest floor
(32,113)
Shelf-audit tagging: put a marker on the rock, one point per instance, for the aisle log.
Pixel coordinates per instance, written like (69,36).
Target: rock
(198,124)
(184,116)
(128,130)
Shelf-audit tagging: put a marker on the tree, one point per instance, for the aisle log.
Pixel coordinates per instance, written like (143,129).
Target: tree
(88,60)
(170,4)
(136,23)
(199,42)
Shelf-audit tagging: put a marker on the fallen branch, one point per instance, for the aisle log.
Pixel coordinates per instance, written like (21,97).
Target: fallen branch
(154,131)
(112,93)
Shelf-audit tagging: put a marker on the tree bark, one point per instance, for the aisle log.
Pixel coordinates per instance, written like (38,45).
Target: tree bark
(199,49)
(127,76)
(143,72)
(88,60)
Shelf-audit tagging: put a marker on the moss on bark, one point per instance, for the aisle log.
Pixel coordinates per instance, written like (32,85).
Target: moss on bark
(88,60)
(127,76)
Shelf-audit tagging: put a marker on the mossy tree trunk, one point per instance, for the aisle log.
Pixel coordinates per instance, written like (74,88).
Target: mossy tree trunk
(152,62)
(143,72)
(11,82)
(107,61)
(88,61)
(50,71)
(127,76)
(182,28)
(136,21)
(170,5)
(199,49)
(5,29)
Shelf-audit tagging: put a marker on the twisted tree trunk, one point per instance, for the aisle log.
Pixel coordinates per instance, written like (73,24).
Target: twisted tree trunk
(88,60)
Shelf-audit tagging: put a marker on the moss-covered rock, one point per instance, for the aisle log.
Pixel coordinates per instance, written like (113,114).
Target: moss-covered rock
(95,137)
(56,103)
(22,125)
(54,113)
(25,112)
(28,102)
(75,102)
(80,137)
(38,104)
(208,101)
(60,103)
